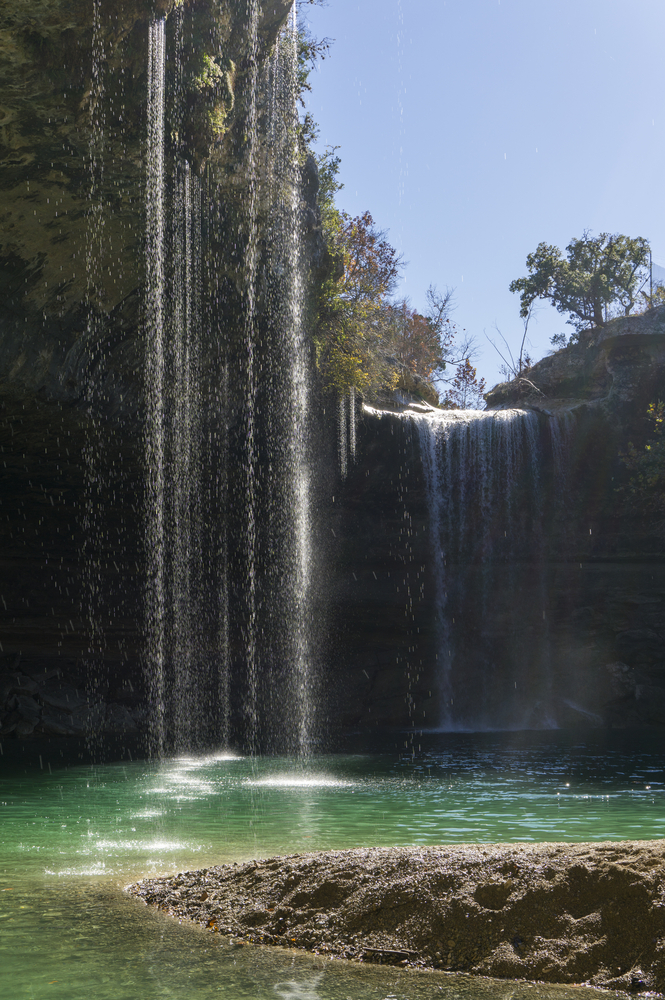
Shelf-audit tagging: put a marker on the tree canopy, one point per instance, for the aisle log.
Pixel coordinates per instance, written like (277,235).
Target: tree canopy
(349,336)
(465,390)
(596,273)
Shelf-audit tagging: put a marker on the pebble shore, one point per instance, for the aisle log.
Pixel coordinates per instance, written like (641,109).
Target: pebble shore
(557,913)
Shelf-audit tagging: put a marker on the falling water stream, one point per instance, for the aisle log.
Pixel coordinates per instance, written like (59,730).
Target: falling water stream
(185,513)
(492,480)
(472,463)
(155,365)
(299,459)
(189,497)
(95,470)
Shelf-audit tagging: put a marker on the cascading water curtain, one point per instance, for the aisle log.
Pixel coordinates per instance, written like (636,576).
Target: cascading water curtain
(352,422)
(193,429)
(485,503)
(187,668)
(342,437)
(191,711)
(187,644)
(286,651)
(347,417)
(299,457)
(92,566)
(155,598)
(251,707)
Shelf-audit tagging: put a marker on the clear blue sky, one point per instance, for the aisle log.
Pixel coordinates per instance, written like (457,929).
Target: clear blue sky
(474,129)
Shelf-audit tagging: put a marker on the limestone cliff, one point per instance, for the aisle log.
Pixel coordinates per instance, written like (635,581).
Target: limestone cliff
(617,367)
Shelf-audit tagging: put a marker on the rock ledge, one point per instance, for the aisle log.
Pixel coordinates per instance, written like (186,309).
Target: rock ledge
(560,913)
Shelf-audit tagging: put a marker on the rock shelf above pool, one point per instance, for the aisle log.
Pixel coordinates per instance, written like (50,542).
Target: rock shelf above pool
(559,913)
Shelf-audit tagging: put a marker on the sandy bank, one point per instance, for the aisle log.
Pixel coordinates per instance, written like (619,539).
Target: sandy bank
(560,913)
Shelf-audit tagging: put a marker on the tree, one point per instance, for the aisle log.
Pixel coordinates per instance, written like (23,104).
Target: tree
(371,264)
(311,50)
(350,338)
(514,367)
(597,273)
(424,347)
(412,348)
(466,390)
(413,340)
(363,339)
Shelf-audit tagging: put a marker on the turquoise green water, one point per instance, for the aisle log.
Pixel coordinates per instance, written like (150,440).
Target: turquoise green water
(71,838)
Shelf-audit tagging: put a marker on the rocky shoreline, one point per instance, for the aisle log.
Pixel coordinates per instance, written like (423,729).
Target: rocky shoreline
(589,914)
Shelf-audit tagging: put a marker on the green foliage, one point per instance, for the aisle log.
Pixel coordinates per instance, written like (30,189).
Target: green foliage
(596,273)
(413,339)
(560,340)
(210,74)
(645,490)
(364,269)
(329,184)
(310,51)
(654,299)
(363,339)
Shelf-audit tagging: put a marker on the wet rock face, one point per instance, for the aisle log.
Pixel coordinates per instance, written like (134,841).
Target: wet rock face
(581,612)
(558,913)
(568,634)
(38,699)
(72,189)
(381,666)
(72,131)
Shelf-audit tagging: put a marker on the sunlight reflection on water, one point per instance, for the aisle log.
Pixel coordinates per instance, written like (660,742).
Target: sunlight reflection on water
(70,841)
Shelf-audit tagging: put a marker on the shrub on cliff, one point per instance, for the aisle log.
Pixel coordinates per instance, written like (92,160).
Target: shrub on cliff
(645,490)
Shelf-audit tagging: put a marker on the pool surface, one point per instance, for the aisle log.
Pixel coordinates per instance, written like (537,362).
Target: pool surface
(72,836)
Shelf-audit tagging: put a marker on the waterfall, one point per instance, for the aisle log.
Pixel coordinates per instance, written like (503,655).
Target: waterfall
(93,562)
(285,652)
(185,493)
(487,500)
(251,707)
(342,437)
(352,423)
(346,431)
(299,457)
(187,669)
(227,447)
(155,527)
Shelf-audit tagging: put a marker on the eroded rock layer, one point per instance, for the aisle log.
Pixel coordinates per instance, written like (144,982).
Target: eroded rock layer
(559,913)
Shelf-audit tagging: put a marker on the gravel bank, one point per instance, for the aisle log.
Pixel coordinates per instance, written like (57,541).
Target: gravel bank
(559,913)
